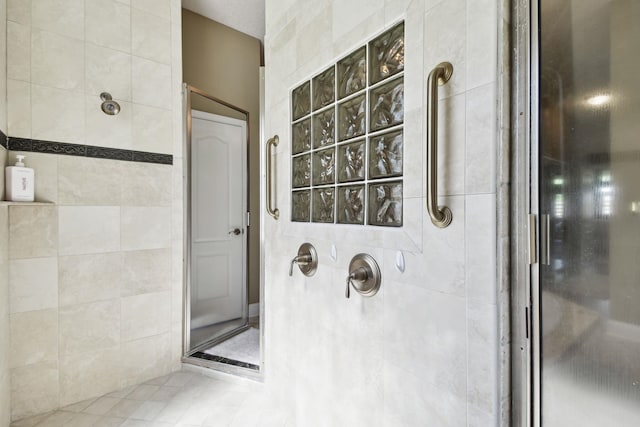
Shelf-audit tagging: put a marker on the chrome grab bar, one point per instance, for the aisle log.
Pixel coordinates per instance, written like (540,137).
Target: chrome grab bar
(271,142)
(441,216)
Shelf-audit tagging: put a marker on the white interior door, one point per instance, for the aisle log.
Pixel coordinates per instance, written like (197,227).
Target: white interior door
(218,219)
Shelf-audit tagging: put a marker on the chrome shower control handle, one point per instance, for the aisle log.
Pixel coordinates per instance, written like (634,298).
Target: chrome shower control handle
(361,274)
(364,276)
(302,260)
(307,260)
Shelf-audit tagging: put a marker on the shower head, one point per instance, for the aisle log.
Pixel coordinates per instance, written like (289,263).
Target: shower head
(109,106)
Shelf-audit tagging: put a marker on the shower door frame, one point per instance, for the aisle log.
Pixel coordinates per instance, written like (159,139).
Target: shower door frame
(524,211)
(186,344)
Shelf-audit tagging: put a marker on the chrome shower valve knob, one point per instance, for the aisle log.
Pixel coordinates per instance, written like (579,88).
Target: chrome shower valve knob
(307,260)
(364,276)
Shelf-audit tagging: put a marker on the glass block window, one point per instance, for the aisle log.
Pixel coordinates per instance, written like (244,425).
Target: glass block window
(347,138)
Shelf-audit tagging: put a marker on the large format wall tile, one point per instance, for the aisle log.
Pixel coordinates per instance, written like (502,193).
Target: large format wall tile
(89,229)
(88,375)
(146,228)
(108,24)
(150,36)
(34,389)
(65,17)
(57,61)
(480,158)
(33,284)
(19,108)
(107,70)
(151,83)
(146,271)
(482,39)
(33,231)
(161,8)
(145,315)
(482,389)
(89,278)
(18,51)
(145,184)
(19,11)
(480,256)
(34,337)
(5,343)
(155,350)
(89,181)
(57,115)
(89,327)
(151,128)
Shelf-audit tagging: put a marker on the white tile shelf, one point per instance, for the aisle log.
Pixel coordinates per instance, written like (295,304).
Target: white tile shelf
(347,133)
(7,203)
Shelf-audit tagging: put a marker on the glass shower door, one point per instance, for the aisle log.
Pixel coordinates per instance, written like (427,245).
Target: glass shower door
(589,200)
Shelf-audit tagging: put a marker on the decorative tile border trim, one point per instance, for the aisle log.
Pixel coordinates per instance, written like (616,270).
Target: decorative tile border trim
(50,147)
(220,359)
(4,140)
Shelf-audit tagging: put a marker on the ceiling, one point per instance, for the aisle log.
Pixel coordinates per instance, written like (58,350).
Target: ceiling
(246,16)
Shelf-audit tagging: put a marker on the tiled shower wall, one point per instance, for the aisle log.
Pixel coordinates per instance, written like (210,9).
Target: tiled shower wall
(95,295)
(5,410)
(424,350)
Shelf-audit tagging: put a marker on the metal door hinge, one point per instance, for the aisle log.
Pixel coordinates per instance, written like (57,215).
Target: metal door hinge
(533,239)
(545,242)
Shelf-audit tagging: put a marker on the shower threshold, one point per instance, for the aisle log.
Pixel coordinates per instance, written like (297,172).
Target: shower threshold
(237,352)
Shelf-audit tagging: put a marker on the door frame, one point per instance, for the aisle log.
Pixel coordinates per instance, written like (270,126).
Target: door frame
(186,180)
(524,211)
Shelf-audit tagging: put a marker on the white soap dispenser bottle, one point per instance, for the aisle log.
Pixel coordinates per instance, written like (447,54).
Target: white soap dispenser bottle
(19,182)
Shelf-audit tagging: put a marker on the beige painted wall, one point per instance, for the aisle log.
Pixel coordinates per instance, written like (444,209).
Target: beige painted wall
(225,63)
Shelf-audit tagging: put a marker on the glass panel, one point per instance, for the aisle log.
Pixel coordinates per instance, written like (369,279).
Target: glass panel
(351,161)
(323,204)
(324,88)
(218,305)
(387,105)
(301,206)
(589,173)
(324,167)
(351,204)
(301,100)
(323,128)
(301,138)
(385,204)
(352,73)
(385,155)
(352,118)
(386,54)
(301,171)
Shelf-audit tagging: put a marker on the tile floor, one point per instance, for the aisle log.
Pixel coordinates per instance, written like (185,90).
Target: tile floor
(181,399)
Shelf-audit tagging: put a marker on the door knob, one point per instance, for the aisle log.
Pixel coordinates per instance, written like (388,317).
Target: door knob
(236,231)
(364,276)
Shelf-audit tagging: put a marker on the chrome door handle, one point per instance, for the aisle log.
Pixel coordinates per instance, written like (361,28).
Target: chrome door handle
(235,231)
(441,216)
(272,142)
